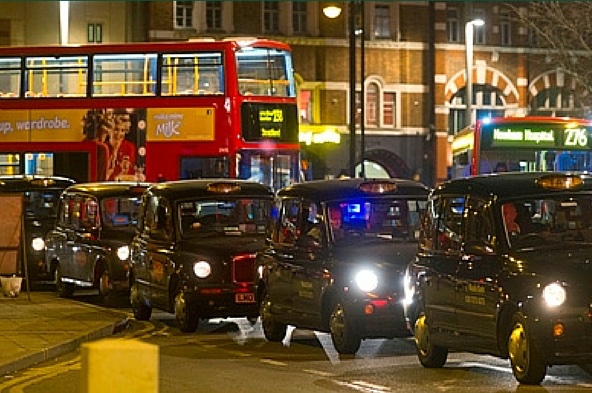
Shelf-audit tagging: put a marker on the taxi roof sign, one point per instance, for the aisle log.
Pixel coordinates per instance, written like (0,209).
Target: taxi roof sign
(560,182)
(378,187)
(223,187)
(43,182)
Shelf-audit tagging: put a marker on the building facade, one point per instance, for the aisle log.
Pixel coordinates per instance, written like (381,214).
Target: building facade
(411,99)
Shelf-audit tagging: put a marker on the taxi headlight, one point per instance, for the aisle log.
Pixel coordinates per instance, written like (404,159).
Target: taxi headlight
(38,244)
(123,253)
(366,280)
(554,295)
(202,269)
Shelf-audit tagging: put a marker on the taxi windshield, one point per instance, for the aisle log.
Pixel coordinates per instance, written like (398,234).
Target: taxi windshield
(120,213)
(231,217)
(392,220)
(543,222)
(42,204)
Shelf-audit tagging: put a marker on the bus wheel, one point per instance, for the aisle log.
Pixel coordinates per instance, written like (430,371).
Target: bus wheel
(185,313)
(430,355)
(527,364)
(346,339)
(63,289)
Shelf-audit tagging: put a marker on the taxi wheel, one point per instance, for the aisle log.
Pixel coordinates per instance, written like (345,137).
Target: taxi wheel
(104,283)
(346,339)
(527,364)
(274,331)
(63,289)
(430,355)
(185,314)
(142,311)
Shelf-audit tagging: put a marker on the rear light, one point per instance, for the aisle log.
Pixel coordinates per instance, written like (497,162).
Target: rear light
(243,268)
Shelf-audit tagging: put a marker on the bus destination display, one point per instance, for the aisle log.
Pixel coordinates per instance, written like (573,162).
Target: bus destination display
(536,136)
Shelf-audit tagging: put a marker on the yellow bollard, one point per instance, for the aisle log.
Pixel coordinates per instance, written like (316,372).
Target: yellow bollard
(119,366)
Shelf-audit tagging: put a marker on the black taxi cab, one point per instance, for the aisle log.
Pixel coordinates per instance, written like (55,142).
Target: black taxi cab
(194,252)
(504,268)
(335,259)
(40,196)
(89,246)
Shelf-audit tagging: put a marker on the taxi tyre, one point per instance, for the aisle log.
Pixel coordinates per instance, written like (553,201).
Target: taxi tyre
(185,313)
(142,311)
(346,339)
(274,331)
(63,289)
(104,283)
(429,355)
(527,363)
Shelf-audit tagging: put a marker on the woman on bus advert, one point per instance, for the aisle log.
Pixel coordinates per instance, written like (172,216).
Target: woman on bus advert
(122,153)
(111,130)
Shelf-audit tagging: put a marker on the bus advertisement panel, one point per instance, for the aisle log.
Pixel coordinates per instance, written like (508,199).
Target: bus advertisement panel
(151,111)
(523,144)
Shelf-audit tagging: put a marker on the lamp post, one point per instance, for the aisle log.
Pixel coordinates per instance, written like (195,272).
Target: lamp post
(469,32)
(333,11)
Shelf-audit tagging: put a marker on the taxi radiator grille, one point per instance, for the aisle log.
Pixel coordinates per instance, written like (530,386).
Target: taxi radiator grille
(243,268)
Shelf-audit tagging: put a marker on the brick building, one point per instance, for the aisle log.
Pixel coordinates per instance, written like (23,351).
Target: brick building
(414,69)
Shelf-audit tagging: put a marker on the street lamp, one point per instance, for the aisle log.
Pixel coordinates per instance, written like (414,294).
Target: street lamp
(469,30)
(64,22)
(333,11)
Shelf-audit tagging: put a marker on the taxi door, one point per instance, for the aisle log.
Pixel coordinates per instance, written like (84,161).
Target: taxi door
(79,257)
(159,252)
(138,251)
(310,258)
(278,259)
(440,261)
(476,295)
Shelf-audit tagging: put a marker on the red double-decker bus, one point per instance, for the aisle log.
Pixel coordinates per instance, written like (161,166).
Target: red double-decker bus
(151,111)
(522,144)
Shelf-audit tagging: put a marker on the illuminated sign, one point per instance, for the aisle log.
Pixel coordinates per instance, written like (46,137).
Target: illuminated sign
(269,121)
(47,125)
(534,135)
(180,124)
(318,134)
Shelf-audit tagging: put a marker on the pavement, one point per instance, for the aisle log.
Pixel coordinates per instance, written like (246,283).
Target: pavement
(38,326)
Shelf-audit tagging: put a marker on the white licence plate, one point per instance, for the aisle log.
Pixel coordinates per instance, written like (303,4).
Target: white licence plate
(244,298)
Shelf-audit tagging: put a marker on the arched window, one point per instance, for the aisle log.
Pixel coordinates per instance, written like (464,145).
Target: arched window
(557,101)
(381,106)
(372,104)
(488,101)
